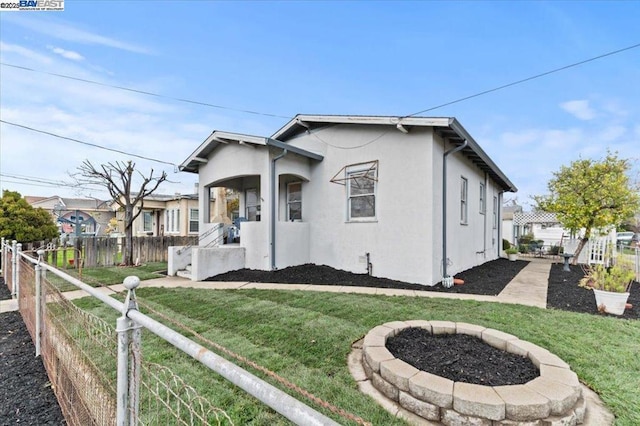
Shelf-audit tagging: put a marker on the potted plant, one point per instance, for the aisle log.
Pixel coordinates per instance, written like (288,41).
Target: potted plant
(512,253)
(610,285)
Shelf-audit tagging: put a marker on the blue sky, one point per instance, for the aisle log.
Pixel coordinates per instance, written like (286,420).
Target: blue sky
(283,58)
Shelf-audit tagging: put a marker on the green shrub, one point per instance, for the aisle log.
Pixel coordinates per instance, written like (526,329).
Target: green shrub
(525,239)
(555,250)
(505,244)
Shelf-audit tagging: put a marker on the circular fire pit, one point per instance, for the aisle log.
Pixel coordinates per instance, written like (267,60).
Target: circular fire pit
(554,398)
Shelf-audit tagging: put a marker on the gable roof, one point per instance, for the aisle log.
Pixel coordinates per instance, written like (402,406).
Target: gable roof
(200,155)
(67,203)
(446,127)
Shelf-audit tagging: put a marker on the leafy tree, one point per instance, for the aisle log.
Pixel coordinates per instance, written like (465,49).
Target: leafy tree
(21,222)
(118,178)
(590,194)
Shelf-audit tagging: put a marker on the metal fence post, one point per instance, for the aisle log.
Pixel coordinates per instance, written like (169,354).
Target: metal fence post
(2,256)
(13,268)
(128,374)
(39,304)
(16,281)
(122,387)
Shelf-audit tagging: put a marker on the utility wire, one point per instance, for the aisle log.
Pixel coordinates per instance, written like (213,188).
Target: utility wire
(144,92)
(86,143)
(495,89)
(3,181)
(504,86)
(35,179)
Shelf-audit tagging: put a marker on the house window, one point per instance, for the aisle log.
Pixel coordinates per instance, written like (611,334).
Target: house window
(172,221)
(483,198)
(193,220)
(463,200)
(294,201)
(361,191)
(495,212)
(252,201)
(147,222)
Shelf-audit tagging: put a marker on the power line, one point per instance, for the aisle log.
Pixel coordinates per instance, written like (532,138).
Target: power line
(144,92)
(86,143)
(36,179)
(44,185)
(504,86)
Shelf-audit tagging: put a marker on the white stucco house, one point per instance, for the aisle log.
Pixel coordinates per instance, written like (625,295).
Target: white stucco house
(414,198)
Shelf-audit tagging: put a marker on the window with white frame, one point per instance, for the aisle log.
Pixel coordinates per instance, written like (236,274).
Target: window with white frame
(193,220)
(361,191)
(495,212)
(464,192)
(252,205)
(147,221)
(172,221)
(483,198)
(294,201)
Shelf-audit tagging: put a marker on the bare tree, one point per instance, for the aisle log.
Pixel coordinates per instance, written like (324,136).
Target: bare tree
(117,178)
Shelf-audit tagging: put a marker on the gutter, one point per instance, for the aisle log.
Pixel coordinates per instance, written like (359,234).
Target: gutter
(447,281)
(272,215)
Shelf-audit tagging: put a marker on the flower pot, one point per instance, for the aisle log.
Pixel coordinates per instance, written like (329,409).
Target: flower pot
(512,257)
(611,302)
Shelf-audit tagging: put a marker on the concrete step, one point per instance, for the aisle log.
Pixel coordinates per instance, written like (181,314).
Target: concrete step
(185,273)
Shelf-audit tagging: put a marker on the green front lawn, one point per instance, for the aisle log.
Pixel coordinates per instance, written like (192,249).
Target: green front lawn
(101,276)
(306,337)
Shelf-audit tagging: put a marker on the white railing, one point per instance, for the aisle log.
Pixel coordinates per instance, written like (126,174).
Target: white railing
(128,329)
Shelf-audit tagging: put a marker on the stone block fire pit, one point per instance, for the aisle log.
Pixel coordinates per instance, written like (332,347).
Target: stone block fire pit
(553,398)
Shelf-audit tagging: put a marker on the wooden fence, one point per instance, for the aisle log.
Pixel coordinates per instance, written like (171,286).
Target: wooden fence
(107,251)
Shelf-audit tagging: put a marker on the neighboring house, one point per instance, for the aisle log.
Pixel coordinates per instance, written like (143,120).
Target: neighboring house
(412,198)
(509,231)
(164,214)
(90,215)
(542,225)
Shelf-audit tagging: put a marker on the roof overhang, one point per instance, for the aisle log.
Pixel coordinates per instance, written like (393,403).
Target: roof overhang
(447,128)
(201,154)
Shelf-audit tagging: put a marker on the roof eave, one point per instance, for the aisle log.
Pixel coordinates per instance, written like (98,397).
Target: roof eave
(473,145)
(198,157)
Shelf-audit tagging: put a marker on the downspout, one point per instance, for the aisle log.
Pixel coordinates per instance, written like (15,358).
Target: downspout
(499,224)
(272,217)
(486,203)
(446,281)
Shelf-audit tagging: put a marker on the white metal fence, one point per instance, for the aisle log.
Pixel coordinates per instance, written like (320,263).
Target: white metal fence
(72,343)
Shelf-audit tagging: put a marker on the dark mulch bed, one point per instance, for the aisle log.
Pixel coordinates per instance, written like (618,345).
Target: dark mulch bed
(461,358)
(26,396)
(564,293)
(487,279)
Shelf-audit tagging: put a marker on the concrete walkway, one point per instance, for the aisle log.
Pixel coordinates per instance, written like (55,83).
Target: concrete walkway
(529,288)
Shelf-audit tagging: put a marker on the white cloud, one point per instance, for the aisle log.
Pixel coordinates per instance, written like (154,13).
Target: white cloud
(611,133)
(23,52)
(68,54)
(579,109)
(67,32)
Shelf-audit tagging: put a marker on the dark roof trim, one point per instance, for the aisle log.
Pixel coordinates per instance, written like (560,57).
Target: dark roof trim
(446,127)
(201,154)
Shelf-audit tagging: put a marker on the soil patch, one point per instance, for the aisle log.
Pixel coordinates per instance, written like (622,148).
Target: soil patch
(487,279)
(564,293)
(461,358)
(26,396)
